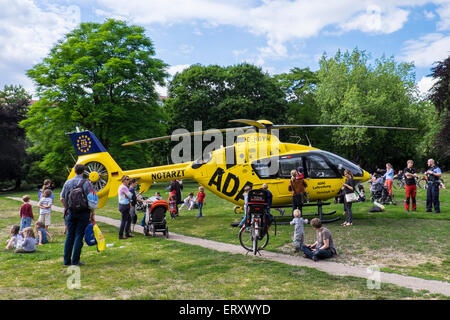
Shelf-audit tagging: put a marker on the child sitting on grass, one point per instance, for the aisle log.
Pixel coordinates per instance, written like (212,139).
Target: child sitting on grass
(42,233)
(299,231)
(28,245)
(15,237)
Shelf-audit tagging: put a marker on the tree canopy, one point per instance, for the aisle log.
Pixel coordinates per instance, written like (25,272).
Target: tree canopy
(14,101)
(440,96)
(352,91)
(214,95)
(100,77)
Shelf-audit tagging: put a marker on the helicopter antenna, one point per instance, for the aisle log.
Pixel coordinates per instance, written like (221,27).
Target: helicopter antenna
(299,139)
(74,160)
(308,140)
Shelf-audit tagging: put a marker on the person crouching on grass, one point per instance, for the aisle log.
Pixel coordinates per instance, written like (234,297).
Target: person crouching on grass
(324,247)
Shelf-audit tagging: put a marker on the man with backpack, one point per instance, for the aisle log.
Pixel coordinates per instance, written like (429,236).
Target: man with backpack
(77,214)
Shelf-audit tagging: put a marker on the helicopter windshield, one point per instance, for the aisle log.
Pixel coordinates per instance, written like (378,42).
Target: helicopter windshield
(342,164)
(316,164)
(317,167)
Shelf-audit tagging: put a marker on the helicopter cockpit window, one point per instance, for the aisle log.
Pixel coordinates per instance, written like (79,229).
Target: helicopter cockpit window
(287,164)
(341,164)
(317,167)
(266,168)
(199,162)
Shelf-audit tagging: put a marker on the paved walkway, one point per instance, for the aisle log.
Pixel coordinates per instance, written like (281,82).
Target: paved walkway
(327,266)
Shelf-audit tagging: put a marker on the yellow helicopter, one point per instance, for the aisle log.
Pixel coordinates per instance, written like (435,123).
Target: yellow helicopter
(257,156)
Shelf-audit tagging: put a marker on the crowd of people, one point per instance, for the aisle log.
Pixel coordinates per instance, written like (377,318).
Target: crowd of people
(24,238)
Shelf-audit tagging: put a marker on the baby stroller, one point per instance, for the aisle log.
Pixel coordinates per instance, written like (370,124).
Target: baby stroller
(155,218)
(379,192)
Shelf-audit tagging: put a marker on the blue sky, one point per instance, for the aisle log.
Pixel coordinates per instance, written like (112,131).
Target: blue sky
(276,35)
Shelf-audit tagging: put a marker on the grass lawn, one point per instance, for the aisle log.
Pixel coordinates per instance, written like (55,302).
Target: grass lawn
(154,268)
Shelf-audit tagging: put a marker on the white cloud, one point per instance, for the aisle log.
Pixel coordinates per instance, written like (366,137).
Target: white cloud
(429,14)
(424,85)
(427,50)
(376,20)
(444,14)
(172,70)
(278,21)
(27,33)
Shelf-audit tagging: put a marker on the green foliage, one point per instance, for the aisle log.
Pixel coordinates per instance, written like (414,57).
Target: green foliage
(300,88)
(352,91)
(215,94)
(100,77)
(14,101)
(440,96)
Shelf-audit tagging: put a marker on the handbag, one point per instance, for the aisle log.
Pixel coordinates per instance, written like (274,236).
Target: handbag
(351,197)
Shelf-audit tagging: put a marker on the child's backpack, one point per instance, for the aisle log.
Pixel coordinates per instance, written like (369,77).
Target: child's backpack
(92,199)
(89,236)
(77,200)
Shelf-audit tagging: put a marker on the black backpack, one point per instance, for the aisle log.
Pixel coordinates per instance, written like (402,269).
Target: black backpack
(77,200)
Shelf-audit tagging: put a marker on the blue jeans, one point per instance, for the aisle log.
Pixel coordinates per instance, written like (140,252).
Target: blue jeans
(25,222)
(200,206)
(321,254)
(76,225)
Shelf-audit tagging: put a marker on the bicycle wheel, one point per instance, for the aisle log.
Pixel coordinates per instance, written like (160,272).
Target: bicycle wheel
(246,239)
(422,183)
(398,184)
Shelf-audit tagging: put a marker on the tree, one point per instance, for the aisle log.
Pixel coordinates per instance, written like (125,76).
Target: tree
(440,96)
(214,95)
(14,102)
(352,91)
(99,77)
(300,88)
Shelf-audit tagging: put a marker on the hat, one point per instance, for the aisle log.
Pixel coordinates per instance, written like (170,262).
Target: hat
(300,169)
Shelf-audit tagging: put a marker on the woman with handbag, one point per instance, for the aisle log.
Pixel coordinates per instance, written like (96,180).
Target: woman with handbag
(348,189)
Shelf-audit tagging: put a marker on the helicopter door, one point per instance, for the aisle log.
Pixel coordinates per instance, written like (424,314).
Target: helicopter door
(286,165)
(323,179)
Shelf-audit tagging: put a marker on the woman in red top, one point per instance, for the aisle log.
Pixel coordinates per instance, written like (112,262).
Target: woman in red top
(201,200)
(26,213)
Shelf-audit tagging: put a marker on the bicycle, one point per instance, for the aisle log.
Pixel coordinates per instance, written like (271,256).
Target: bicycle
(399,183)
(424,183)
(249,240)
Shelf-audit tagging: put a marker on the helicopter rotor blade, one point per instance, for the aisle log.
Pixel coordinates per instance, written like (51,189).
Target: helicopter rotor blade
(185,135)
(249,122)
(291,126)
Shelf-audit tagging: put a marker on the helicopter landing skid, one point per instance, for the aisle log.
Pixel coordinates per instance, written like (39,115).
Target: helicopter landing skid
(319,213)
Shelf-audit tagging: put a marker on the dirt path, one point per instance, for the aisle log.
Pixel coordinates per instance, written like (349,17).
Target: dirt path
(327,266)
